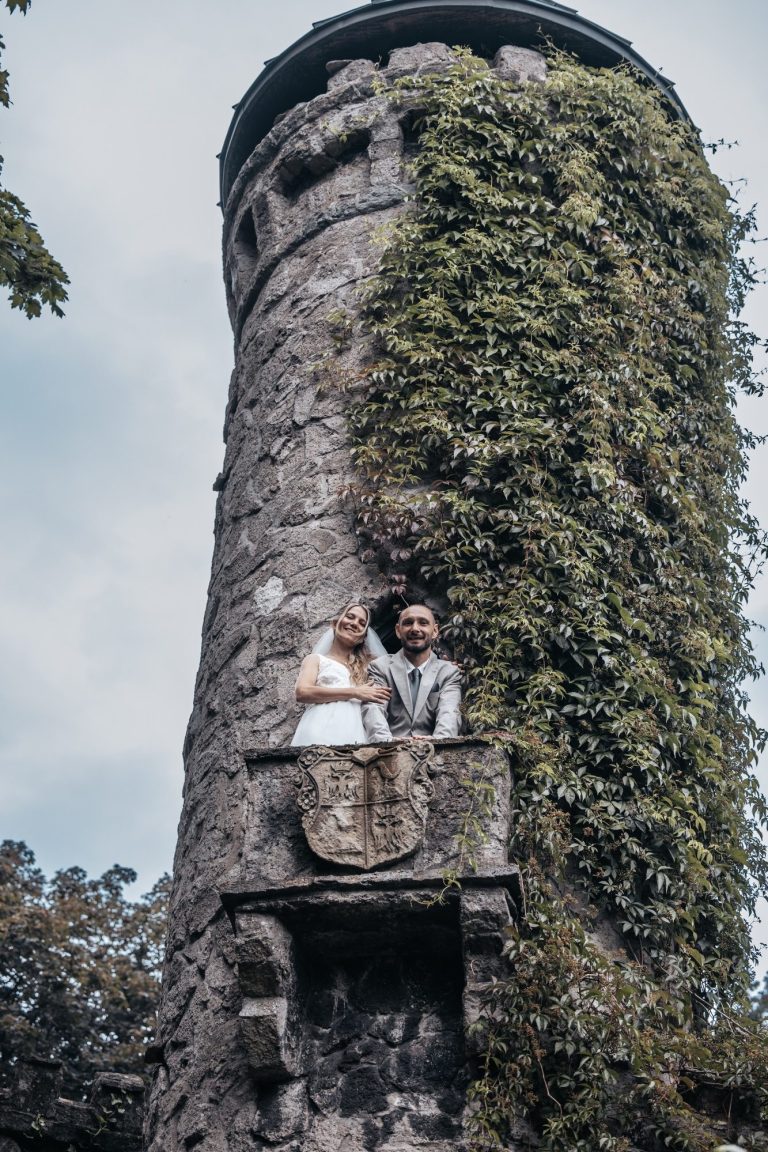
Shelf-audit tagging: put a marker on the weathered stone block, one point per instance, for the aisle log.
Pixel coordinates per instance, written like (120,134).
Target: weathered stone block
(513,63)
(284,1111)
(38,1084)
(341,72)
(118,1098)
(419,60)
(265,957)
(485,917)
(264,1028)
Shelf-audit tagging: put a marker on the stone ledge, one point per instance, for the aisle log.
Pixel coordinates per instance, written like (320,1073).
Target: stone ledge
(251,897)
(253,754)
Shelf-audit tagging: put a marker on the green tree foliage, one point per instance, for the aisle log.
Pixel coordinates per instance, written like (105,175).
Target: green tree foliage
(548,439)
(27,269)
(79,965)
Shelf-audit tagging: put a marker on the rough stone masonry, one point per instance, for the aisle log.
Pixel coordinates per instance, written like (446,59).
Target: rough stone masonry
(305,1006)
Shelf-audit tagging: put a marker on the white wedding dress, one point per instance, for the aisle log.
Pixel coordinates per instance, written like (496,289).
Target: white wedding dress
(338,721)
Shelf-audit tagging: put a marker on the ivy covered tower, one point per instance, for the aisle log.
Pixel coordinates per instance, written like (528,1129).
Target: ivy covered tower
(485,357)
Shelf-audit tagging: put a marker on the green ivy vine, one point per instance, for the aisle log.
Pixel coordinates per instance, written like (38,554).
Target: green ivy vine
(547,439)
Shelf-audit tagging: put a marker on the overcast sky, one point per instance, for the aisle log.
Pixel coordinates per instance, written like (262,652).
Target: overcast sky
(110,420)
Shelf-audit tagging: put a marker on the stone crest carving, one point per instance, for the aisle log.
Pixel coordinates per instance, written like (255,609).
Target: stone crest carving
(365,806)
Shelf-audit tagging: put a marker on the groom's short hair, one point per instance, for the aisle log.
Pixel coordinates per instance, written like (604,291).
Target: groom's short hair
(410,607)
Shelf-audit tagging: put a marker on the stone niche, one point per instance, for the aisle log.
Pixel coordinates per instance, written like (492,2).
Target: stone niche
(361,985)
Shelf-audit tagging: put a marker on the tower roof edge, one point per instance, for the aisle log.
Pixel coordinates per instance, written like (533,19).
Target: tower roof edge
(373,30)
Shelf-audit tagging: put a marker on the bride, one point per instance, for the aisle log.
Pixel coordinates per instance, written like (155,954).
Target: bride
(332,681)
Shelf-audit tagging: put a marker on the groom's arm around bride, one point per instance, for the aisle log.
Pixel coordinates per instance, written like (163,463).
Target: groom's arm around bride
(426,691)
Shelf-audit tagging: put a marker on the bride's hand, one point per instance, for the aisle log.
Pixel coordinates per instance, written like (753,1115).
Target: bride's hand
(373,693)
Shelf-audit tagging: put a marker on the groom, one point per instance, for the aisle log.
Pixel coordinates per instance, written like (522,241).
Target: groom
(425,691)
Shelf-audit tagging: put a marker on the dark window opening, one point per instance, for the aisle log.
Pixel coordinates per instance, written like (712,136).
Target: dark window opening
(410,126)
(384,618)
(299,175)
(245,248)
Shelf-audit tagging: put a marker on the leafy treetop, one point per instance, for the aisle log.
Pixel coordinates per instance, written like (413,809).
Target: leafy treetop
(79,966)
(34,278)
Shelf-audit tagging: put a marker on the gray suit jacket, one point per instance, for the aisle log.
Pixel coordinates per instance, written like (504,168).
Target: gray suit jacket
(437,705)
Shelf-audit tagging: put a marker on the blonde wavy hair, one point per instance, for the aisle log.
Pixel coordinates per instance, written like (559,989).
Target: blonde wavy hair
(359,657)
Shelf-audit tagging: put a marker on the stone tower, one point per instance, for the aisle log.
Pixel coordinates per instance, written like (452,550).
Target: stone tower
(306,1004)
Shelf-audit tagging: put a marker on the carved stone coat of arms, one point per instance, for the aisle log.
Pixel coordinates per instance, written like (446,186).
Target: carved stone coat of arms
(365,806)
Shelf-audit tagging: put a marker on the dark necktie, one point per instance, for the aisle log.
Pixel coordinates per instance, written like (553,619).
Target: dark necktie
(415,678)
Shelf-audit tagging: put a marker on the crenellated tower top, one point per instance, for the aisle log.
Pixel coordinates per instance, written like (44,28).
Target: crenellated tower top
(373,30)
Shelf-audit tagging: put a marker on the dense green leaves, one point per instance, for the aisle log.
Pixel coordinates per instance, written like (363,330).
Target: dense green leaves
(79,966)
(34,278)
(548,440)
(11,5)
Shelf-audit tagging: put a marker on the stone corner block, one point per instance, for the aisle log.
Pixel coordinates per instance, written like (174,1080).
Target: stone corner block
(264,1028)
(484,917)
(265,957)
(518,64)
